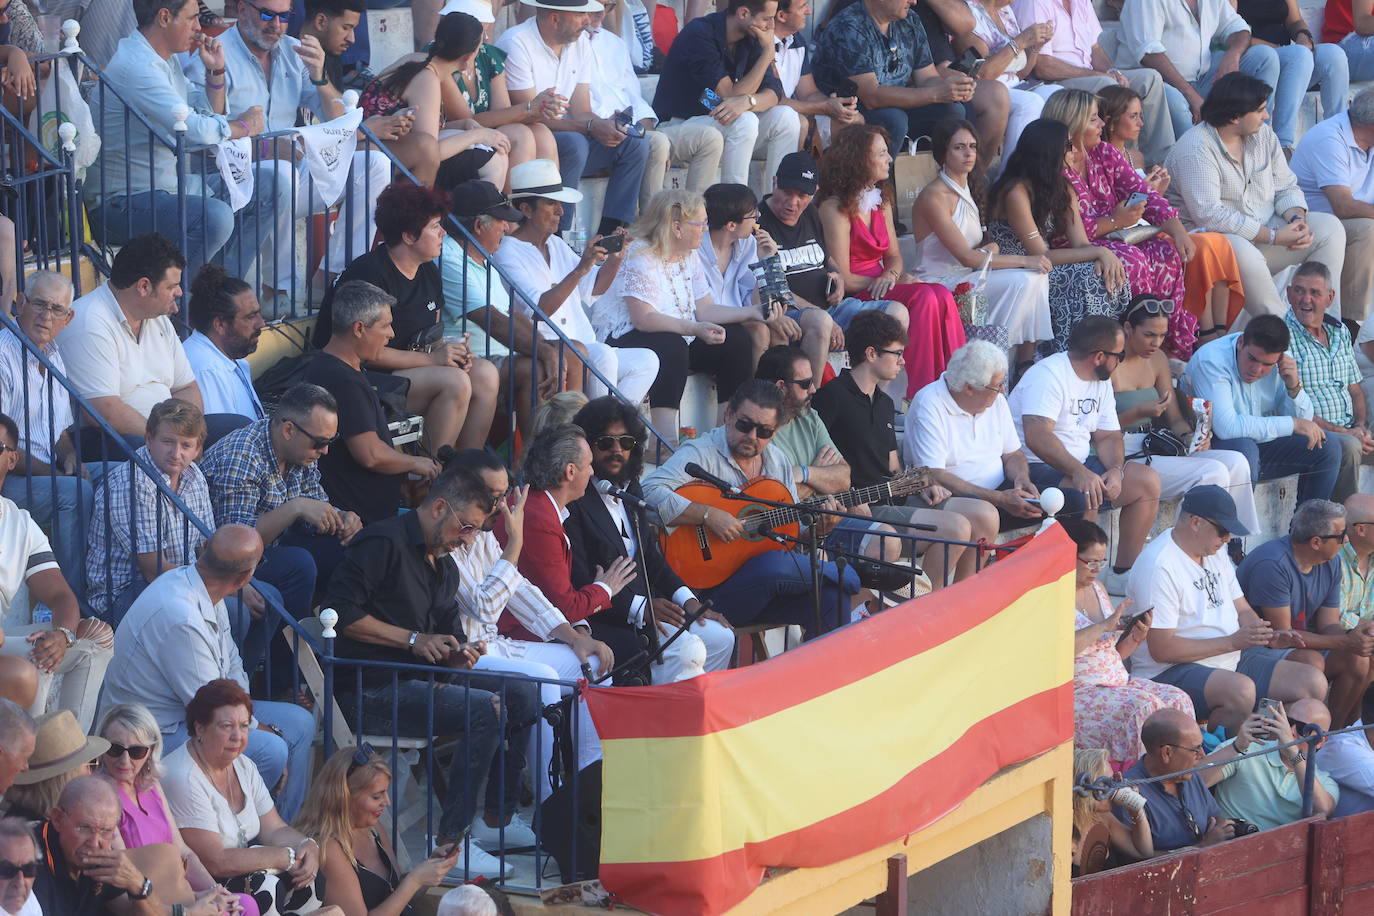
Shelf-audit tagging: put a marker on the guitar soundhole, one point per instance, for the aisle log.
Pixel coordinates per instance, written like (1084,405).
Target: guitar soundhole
(751,527)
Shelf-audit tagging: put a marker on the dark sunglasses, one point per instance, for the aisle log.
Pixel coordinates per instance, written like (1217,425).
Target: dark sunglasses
(5,447)
(802,383)
(318,443)
(1220,530)
(1119,354)
(1152,307)
(1333,537)
(269,15)
(749,426)
(606,443)
(8,869)
(135,751)
(361,755)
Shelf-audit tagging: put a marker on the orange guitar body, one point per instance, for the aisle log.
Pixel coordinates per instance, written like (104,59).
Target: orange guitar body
(703,560)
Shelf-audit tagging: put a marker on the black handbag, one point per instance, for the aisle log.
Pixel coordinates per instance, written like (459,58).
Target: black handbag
(1163,443)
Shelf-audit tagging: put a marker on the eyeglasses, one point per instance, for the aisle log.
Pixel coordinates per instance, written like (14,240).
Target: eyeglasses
(269,15)
(1093,564)
(7,448)
(1333,537)
(89,831)
(1152,307)
(606,443)
(362,754)
(749,426)
(1220,530)
(42,306)
(318,443)
(1196,750)
(1000,388)
(8,869)
(802,383)
(135,751)
(1119,354)
(896,353)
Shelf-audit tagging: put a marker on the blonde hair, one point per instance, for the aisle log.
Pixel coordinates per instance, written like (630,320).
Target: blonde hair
(655,224)
(1073,108)
(324,815)
(557,410)
(138,721)
(1090,762)
(41,797)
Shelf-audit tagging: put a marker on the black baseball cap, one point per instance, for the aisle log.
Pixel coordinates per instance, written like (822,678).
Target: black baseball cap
(475,198)
(798,172)
(1211,502)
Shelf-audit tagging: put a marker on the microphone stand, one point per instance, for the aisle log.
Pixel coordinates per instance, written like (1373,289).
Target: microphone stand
(689,618)
(651,641)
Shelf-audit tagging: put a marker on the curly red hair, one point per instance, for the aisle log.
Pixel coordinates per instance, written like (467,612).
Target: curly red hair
(844,167)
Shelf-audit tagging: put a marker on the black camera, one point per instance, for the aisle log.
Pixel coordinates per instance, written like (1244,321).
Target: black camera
(1243,827)
(771,280)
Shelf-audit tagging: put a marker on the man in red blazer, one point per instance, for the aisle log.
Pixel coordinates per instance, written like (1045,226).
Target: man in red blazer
(558,465)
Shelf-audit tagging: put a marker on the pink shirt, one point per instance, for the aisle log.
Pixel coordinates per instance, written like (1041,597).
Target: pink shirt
(1076,29)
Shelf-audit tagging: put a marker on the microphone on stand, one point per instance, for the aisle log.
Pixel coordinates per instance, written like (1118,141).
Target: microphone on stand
(606,488)
(700,473)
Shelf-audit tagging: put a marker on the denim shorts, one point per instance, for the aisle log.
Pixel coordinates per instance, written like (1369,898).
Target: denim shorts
(844,313)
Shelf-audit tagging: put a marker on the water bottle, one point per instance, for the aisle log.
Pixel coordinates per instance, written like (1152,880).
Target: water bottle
(42,614)
(577,239)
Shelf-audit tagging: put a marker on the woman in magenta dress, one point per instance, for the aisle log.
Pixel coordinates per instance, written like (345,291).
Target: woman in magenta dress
(131,764)
(1104,181)
(856,216)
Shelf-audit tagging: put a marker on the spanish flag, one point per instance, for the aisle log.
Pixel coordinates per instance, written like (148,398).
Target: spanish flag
(845,744)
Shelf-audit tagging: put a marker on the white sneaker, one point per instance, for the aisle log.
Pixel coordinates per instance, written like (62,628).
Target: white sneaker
(474,861)
(518,834)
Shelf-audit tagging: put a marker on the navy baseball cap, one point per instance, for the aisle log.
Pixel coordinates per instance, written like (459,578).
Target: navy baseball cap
(1211,502)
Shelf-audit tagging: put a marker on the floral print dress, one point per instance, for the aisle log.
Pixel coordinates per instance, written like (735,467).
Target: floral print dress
(1154,267)
(1109,705)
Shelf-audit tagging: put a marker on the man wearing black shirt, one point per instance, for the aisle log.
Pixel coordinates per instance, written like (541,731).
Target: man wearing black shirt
(455,391)
(363,473)
(395,592)
(861,419)
(787,215)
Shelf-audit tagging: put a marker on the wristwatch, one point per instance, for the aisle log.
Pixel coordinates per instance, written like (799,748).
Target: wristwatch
(219,72)
(68,635)
(753,103)
(144,891)
(414,637)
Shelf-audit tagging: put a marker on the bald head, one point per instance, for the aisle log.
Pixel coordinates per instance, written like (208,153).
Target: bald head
(1310,711)
(1359,521)
(1165,727)
(88,793)
(231,551)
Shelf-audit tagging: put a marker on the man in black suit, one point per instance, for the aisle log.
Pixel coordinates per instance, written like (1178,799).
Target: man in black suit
(601,529)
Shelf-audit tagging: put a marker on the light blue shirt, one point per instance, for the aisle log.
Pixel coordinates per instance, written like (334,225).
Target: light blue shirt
(154,86)
(247,85)
(1260,410)
(466,290)
(226,385)
(735,287)
(1327,156)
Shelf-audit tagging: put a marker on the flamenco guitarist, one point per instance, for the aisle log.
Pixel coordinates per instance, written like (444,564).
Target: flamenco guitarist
(772,587)
(602,529)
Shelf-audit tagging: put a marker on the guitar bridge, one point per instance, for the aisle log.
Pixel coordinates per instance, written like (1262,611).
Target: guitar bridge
(703,543)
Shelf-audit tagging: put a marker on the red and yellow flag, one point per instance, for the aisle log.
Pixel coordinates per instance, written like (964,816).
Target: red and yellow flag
(840,746)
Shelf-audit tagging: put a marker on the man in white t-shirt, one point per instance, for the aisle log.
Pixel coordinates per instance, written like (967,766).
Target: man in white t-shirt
(1064,409)
(1204,637)
(550,51)
(563,283)
(960,427)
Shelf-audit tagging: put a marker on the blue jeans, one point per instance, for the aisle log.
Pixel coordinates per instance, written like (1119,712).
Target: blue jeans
(1290,71)
(209,222)
(467,708)
(1316,468)
(1359,55)
(272,755)
(912,122)
(579,156)
(66,511)
(775,587)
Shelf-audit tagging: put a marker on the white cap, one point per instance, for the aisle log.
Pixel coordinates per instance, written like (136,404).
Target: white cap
(477,9)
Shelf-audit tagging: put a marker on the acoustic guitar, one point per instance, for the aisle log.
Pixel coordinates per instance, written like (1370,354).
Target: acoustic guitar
(703,560)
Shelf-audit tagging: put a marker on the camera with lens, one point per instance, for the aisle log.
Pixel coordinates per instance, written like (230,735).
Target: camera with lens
(771,280)
(1243,827)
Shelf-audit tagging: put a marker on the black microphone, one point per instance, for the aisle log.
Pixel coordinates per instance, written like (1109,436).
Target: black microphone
(700,473)
(609,489)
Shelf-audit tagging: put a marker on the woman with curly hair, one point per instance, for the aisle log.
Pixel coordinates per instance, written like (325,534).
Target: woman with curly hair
(856,216)
(1032,210)
(1213,293)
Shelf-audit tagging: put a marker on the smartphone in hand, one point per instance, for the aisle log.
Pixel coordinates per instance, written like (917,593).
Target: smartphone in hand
(612,243)
(1139,197)
(710,99)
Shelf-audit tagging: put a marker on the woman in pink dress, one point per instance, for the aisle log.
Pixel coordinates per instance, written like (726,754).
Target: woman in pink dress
(1109,705)
(1104,181)
(131,764)
(860,237)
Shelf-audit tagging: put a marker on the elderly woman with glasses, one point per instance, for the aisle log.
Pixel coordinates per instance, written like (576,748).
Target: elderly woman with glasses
(1109,706)
(358,870)
(133,763)
(1146,400)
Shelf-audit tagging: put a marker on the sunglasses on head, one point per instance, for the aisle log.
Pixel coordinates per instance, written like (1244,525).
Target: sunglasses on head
(135,751)
(8,869)
(1152,307)
(759,429)
(606,443)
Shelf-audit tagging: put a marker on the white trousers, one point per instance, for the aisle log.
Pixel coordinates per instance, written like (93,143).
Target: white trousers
(1228,470)
(1019,300)
(632,369)
(1026,106)
(357,206)
(771,135)
(79,676)
(1259,263)
(720,645)
(547,660)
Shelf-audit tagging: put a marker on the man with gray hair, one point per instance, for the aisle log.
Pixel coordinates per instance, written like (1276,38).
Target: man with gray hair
(17,735)
(364,474)
(1321,346)
(1336,174)
(960,427)
(45,481)
(1294,582)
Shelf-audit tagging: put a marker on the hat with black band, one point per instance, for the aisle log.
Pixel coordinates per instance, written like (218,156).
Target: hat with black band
(566,6)
(540,178)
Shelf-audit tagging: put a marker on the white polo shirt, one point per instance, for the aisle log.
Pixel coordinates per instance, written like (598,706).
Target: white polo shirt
(523,263)
(24,551)
(531,64)
(1053,390)
(940,434)
(1327,156)
(104,358)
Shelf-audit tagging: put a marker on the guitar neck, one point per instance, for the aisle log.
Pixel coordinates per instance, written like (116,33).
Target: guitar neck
(785,516)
